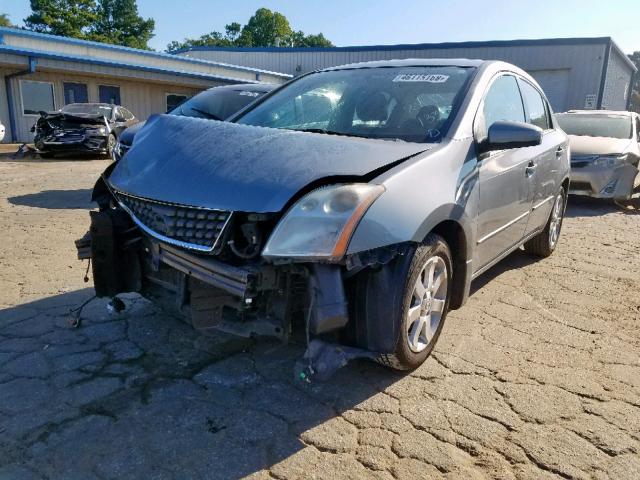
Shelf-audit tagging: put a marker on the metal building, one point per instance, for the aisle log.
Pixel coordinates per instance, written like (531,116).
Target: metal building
(574,72)
(45,72)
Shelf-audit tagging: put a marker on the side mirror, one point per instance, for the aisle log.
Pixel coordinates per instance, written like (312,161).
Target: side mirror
(505,135)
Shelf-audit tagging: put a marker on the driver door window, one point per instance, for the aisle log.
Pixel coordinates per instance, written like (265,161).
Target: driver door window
(503,103)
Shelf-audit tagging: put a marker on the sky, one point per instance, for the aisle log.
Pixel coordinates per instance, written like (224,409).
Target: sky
(378,22)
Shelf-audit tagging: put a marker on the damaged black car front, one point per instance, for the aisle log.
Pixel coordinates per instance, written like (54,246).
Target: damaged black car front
(80,128)
(267,225)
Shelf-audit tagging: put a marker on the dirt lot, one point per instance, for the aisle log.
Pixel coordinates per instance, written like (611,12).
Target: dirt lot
(538,376)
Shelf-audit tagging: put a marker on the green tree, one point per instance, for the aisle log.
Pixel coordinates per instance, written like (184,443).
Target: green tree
(118,22)
(264,29)
(107,21)
(70,18)
(299,39)
(635,85)
(4,20)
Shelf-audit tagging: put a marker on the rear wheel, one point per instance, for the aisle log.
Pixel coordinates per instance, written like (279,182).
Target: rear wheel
(425,302)
(546,241)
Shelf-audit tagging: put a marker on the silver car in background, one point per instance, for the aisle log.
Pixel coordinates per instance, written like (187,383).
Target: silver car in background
(604,152)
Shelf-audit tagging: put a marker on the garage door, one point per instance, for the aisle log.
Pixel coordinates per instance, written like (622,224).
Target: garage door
(555,84)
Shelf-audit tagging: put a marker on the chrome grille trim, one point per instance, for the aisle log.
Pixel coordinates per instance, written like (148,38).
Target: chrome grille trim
(207,248)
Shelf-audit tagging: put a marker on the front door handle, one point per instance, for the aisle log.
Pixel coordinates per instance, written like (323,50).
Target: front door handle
(559,152)
(531,169)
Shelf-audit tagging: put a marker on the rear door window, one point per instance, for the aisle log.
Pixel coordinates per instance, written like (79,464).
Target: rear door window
(536,110)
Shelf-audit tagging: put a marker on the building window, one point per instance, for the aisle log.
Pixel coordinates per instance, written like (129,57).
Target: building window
(36,97)
(75,93)
(174,100)
(109,94)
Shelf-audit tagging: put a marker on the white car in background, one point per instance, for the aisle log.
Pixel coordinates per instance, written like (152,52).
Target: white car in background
(605,152)
(2,130)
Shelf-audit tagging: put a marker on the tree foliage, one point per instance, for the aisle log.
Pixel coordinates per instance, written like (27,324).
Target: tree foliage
(70,18)
(107,21)
(264,29)
(635,87)
(4,20)
(118,22)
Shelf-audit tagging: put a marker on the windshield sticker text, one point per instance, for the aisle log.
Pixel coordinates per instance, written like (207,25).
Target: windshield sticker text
(420,77)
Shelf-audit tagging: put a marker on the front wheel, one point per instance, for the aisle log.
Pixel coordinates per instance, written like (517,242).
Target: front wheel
(111,145)
(425,302)
(546,241)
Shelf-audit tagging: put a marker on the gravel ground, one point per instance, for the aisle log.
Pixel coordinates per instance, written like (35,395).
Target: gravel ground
(538,376)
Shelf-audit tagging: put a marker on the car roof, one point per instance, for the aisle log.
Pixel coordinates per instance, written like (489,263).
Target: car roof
(247,87)
(599,112)
(413,62)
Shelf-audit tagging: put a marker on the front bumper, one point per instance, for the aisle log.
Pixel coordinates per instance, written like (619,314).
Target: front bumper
(603,182)
(72,144)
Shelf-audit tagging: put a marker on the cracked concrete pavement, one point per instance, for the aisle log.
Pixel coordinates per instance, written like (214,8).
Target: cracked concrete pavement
(538,376)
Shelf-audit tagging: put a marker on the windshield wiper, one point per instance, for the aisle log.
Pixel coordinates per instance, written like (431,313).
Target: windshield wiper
(328,132)
(209,115)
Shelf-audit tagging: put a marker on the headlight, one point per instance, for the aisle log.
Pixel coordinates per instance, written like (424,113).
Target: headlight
(610,161)
(319,226)
(97,131)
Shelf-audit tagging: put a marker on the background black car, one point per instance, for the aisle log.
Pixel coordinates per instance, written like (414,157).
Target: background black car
(88,128)
(217,103)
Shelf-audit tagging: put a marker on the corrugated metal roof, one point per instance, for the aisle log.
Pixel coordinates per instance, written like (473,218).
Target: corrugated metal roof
(423,46)
(8,35)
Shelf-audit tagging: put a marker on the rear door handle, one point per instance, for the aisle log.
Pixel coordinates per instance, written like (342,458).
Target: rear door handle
(531,168)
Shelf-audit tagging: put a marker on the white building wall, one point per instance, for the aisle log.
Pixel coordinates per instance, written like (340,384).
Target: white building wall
(580,63)
(616,85)
(141,98)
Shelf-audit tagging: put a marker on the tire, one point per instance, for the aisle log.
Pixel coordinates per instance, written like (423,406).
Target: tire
(111,144)
(420,321)
(545,243)
(46,155)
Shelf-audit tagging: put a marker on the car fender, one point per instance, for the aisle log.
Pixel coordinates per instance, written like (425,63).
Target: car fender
(420,194)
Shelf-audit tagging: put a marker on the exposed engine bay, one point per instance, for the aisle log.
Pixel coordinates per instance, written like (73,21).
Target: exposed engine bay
(205,266)
(58,131)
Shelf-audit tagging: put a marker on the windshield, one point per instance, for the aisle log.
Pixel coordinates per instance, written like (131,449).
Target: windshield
(216,104)
(87,109)
(611,126)
(407,103)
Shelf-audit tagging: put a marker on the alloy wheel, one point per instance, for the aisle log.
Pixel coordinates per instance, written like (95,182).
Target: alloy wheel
(556,220)
(427,304)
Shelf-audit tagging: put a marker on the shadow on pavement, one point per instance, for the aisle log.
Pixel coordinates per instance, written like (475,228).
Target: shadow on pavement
(514,261)
(579,206)
(55,199)
(142,392)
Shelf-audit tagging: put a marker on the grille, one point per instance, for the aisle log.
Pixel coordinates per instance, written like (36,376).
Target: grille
(580,186)
(579,164)
(189,227)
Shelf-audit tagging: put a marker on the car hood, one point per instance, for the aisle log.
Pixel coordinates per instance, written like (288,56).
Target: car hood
(582,145)
(228,166)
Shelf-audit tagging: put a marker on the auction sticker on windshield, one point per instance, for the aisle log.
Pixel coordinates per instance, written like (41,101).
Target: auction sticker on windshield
(421,77)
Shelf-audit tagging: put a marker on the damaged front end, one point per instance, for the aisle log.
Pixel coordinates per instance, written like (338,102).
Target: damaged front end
(60,132)
(207,267)
(280,270)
